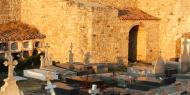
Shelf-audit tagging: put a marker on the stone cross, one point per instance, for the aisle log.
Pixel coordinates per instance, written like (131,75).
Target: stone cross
(46,52)
(50,86)
(47,60)
(94,90)
(71,61)
(11,65)
(10,87)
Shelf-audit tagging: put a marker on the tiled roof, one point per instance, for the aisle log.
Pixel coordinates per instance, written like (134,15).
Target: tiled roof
(186,35)
(17,31)
(135,14)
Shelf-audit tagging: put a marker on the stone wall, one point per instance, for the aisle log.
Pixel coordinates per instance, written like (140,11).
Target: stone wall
(95,28)
(91,28)
(109,42)
(174,15)
(63,22)
(9,10)
(147,38)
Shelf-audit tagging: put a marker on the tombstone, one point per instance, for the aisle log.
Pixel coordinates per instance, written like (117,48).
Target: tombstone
(87,58)
(50,86)
(71,55)
(184,66)
(42,64)
(94,90)
(159,66)
(10,87)
(47,58)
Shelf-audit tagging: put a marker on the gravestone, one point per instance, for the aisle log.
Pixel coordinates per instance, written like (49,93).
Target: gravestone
(94,90)
(159,66)
(71,55)
(45,60)
(87,58)
(184,66)
(41,73)
(10,87)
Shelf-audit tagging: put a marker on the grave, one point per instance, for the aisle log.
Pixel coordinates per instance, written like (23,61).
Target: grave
(159,66)
(66,89)
(10,87)
(94,90)
(84,81)
(43,71)
(184,66)
(39,74)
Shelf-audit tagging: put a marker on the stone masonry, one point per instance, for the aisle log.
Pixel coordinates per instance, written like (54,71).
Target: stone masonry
(93,26)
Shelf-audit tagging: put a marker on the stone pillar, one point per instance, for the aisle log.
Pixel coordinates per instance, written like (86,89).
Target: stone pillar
(71,55)
(184,66)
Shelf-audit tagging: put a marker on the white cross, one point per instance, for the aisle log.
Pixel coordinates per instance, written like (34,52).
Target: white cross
(11,65)
(50,86)
(94,90)
(47,47)
(47,60)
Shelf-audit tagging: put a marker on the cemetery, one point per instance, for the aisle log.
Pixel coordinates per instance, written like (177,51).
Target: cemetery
(94,47)
(101,79)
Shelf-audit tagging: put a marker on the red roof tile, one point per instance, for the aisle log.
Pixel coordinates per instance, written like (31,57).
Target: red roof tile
(135,14)
(17,31)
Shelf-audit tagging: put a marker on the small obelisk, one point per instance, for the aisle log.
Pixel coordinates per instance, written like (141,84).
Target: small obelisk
(71,61)
(45,61)
(184,58)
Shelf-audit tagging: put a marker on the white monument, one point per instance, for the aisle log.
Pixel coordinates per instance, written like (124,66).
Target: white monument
(46,60)
(10,87)
(50,86)
(184,66)
(43,71)
(94,90)
(159,66)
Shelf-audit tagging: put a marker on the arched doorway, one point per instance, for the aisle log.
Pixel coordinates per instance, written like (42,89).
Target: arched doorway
(137,44)
(132,51)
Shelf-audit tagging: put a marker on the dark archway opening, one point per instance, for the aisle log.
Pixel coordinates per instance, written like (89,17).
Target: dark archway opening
(132,47)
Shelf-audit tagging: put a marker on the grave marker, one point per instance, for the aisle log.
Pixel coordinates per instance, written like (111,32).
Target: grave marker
(10,87)
(94,90)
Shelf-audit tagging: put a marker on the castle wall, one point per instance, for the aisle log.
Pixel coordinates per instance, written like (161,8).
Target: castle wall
(90,27)
(109,41)
(100,32)
(63,22)
(174,15)
(9,10)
